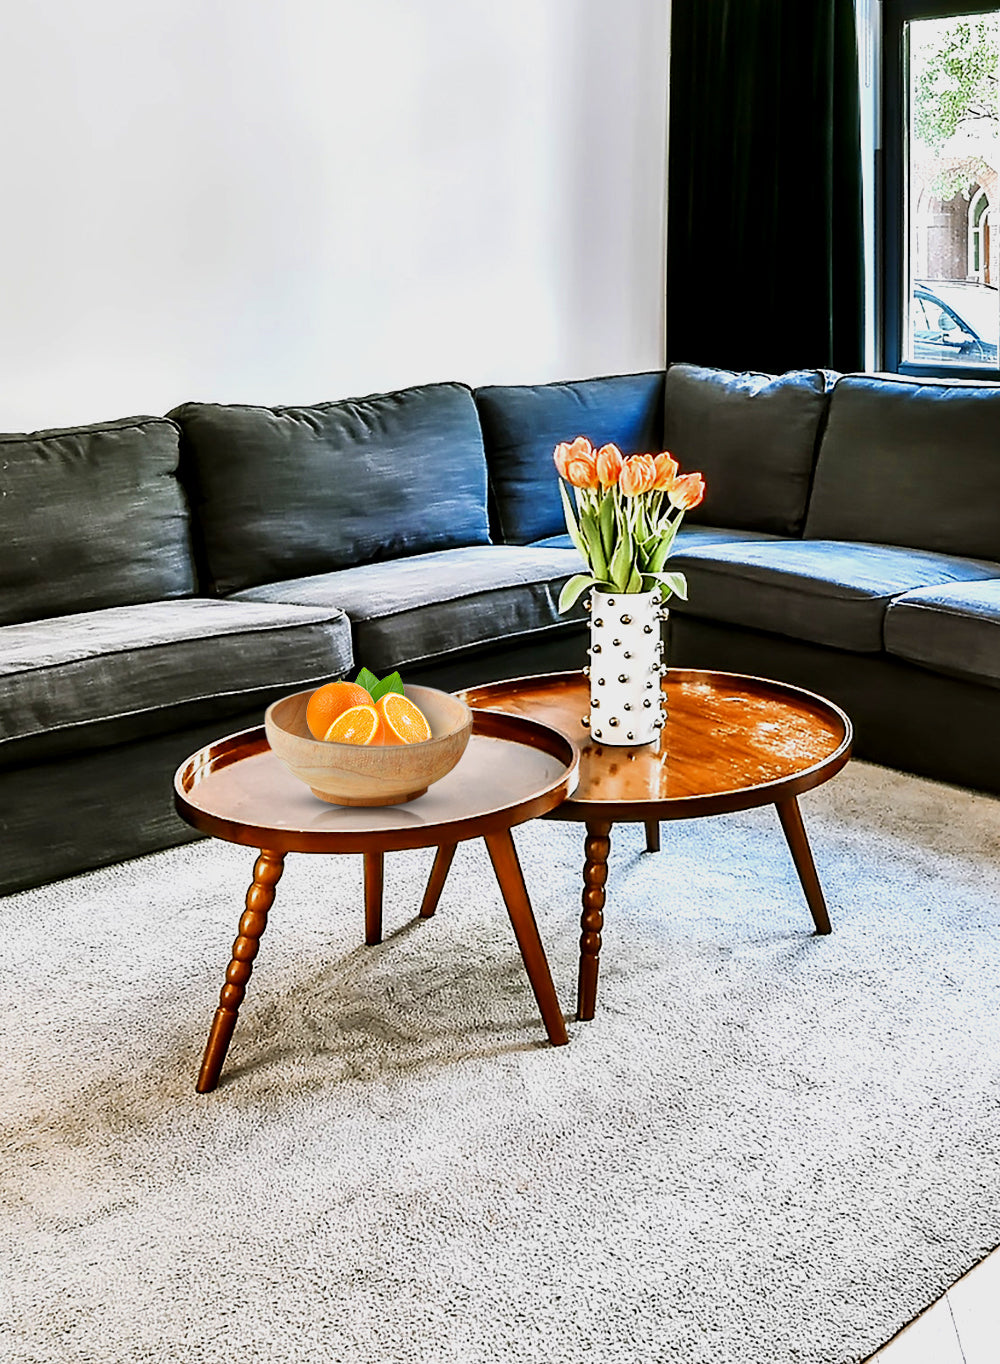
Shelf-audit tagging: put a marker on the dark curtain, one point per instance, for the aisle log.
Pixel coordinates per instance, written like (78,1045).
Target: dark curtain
(764,234)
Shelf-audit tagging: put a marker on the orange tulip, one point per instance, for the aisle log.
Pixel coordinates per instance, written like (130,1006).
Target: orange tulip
(582,472)
(638,475)
(687,492)
(609,465)
(666,471)
(576,462)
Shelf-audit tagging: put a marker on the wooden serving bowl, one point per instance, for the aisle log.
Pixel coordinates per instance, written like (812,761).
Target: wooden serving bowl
(356,774)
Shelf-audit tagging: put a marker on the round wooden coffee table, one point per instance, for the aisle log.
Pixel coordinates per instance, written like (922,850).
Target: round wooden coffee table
(513,770)
(729,743)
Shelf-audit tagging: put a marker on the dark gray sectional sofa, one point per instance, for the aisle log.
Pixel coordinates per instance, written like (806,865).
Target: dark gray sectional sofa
(162,579)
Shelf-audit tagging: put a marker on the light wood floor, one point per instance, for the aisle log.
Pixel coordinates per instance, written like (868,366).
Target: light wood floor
(963,1327)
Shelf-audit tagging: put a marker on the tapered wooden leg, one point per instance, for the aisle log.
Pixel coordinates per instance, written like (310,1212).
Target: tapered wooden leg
(373,898)
(652,835)
(791,822)
(503,855)
(438,876)
(260,897)
(597,846)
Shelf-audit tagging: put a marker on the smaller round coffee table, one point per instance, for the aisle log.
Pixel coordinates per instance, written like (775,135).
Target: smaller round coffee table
(729,743)
(513,770)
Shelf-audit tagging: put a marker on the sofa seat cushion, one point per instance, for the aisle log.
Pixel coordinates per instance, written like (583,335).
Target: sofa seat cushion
(689,538)
(523,423)
(92,516)
(829,592)
(952,630)
(910,463)
(281,492)
(124,664)
(408,610)
(752,436)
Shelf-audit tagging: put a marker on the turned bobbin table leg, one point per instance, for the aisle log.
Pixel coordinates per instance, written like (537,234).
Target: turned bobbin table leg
(260,897)
(597,846)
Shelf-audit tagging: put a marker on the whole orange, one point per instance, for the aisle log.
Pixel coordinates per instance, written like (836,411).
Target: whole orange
(327,702)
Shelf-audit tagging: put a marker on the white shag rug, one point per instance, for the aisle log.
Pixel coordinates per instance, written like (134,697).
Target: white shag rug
(766,1148)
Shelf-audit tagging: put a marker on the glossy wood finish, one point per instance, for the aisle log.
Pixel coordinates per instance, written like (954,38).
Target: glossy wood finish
(729,743)
(795,833)
(596,848)
(503,855)
(513,770)
(236,789)
(436,880)
(373,898)
(260,897)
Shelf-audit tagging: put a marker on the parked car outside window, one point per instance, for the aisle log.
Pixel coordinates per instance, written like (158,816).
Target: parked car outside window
(954,322)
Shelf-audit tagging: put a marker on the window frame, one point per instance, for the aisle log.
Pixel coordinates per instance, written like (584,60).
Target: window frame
(892,214)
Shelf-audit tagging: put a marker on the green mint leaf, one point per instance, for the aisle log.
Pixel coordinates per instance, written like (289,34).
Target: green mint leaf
(391,683)
(367,679)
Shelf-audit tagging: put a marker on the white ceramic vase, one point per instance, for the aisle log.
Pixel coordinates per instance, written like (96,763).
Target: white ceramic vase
(626,648)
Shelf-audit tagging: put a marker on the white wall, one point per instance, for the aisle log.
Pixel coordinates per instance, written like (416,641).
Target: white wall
(292,200)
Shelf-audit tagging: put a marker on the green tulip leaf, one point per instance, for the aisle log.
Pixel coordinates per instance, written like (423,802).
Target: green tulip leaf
(595,550)
(674,583)
(571,525)
(606,521)
(573,588)
(621,562)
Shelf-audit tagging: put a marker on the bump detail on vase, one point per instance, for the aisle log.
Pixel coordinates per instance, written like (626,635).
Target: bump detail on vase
(622,714)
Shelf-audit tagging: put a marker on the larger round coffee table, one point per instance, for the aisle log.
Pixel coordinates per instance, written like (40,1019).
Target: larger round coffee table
(729,743)
(236,789)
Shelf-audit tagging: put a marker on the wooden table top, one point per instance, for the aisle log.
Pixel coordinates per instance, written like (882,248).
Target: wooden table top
(514,769)
(730,742)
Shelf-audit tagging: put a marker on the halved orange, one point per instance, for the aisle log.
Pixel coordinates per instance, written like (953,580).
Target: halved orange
(403,722)
(359,725)
(327,702)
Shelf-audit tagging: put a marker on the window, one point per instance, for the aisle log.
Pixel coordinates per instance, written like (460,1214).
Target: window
(940,304)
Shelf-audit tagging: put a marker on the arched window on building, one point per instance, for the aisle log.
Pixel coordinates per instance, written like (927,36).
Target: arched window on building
(979,237)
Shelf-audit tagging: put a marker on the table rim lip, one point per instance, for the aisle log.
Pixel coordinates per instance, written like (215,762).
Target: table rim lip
(457,830)
(716,802)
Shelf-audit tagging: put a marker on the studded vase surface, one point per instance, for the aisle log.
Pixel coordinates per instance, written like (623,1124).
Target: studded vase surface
(626,701)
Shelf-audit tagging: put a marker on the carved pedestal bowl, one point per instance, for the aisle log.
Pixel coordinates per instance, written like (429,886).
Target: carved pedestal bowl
(359,774)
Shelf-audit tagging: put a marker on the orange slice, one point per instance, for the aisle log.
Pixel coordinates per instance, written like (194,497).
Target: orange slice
(404,723)
(326,703)
(359,725)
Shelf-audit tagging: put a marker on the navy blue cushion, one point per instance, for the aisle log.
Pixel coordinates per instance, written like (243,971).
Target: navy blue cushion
(752,436)
(92,516)
(522,425)
(952,630)
(286,491)
(420,608)
(915,464)
(826,591)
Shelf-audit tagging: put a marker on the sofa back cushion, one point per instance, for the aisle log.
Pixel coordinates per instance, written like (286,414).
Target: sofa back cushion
(753,437)
(522,425)
(92,516)
(906,463)
(285,492)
